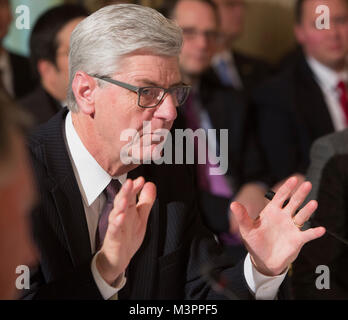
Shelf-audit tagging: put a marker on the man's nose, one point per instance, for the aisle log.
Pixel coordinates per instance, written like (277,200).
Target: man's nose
(167,109)
(202,40)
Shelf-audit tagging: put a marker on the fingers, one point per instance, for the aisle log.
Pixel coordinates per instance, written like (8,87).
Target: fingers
(147,198)
(122,197)
(305,213)
(241,216)
(312,234)
(284,192)
(299,196)
(127,198)
(128,193)
(138,184)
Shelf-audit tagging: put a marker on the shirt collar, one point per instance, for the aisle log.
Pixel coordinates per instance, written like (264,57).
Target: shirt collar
(92,177)
(326,77)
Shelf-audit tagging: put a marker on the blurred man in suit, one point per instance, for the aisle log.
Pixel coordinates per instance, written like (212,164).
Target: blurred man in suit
(329,176)
(309,98)
(235,68)
(15,74)
(17,197)
(215,107)
(107,227)
(49,47)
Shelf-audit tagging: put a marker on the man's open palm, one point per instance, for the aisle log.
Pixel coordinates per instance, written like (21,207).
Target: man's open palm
(274,239)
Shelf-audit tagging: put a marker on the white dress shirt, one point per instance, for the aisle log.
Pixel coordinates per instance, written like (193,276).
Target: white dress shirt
(6,72)
(92,179)
(328,80)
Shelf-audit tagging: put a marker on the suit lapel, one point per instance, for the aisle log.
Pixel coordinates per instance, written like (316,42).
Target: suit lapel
(66,193)
(140,282)
(310,102)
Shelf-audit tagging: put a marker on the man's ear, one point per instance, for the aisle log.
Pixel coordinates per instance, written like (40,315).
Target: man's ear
(84,87)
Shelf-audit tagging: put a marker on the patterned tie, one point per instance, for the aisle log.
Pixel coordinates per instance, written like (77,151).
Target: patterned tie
(110,191)
(343,99)
(214,184)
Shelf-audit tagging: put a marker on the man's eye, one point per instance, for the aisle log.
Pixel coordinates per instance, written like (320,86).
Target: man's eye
(147,92)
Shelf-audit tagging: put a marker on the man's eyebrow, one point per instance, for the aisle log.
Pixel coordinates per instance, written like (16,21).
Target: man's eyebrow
(151,83)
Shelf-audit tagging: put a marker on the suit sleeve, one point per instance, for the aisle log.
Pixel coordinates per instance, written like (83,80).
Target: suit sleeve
(208,258)
(278,131)
(55,277)
(73,282)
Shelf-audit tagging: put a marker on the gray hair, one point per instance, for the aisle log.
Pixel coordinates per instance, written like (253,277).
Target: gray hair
(100,41)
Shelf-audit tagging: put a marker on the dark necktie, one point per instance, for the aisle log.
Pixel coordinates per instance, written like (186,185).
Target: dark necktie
(214,184)
(110,191)
(192,122)
(343,99)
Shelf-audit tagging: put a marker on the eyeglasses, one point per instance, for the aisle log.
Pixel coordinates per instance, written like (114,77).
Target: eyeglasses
(191,33)
(151,97)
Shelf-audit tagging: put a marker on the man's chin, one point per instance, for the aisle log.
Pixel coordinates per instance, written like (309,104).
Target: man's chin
(147,154)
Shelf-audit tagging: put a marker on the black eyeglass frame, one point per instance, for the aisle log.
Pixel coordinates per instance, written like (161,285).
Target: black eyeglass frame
(139,90)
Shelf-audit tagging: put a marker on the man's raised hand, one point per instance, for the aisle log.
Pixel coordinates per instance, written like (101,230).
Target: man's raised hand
(126,228)
(274,239)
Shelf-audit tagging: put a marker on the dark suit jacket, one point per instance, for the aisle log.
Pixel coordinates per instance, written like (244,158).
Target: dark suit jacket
(291,113)
(252,71)
(226,109)
(168,264)
(328,173)
(41,105)
(23,80)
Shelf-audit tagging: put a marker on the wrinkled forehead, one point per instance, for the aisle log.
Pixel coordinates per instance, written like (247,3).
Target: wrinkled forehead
(143,65)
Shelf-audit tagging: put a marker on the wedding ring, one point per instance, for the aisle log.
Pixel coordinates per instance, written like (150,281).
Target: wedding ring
(297,225)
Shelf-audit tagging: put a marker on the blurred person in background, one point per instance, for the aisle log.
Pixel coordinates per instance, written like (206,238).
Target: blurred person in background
(329,175)
(309,98)
(17,197)
(15,73)
(235,68)
(49,54)
(214,106)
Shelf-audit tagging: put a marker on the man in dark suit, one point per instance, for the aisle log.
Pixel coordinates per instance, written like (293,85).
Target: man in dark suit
(216,107)
(235,68)
(15,73)
(308,99)
(110,227)
(329,176)
(49,49)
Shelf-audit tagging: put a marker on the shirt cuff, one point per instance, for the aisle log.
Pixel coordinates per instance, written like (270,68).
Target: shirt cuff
(105,289)
(263,287)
